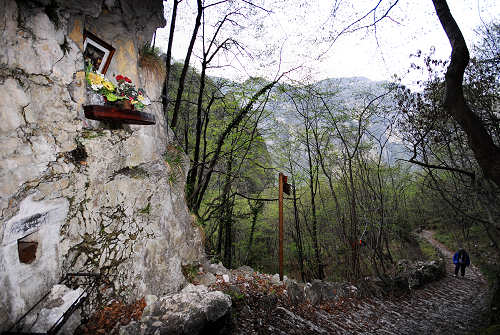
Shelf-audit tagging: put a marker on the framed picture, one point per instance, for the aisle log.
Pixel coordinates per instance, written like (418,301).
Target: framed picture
(96,52)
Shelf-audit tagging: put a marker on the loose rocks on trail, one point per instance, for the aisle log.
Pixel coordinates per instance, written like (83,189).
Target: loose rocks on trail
(260,304)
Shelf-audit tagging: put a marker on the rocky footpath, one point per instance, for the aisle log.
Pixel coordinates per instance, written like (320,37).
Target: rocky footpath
(433,302)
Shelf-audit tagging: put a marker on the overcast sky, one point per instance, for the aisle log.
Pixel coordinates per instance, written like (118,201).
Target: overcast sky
(297,32)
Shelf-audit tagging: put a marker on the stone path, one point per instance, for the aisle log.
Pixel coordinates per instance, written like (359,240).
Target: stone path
(449,306)
(261,306)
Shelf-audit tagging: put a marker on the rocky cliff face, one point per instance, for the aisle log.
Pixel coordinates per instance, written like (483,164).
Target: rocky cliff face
(89,196)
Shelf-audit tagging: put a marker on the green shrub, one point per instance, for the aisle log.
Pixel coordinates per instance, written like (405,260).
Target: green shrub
(428,250)
(190,271)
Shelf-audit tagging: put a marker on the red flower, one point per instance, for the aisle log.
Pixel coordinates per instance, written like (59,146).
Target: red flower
(127,80)
(119,77)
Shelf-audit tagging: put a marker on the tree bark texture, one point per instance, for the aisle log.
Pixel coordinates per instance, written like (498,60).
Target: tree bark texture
(480,141)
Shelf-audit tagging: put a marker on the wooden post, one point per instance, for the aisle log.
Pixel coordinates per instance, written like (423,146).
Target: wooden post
(281,224)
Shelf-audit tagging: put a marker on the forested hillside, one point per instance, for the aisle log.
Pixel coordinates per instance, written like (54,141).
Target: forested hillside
(368,163)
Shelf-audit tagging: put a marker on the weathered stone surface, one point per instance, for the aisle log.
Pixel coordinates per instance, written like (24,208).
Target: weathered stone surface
(295,291)
(136,12)
(44,29)
(319,291)
(91,7)
(414,275)
(150,299)
(275,279)
(122,208)
(192,311)
(28,282)
(12,101)
(69,65)
(207,279)
(300,322)
(245,271)
(51,310)
(245,268)
(216,269)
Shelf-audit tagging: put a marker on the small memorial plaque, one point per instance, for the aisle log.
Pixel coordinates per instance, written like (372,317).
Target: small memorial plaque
(29,224)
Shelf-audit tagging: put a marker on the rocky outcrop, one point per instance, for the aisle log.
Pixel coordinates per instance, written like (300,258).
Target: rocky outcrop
(192,311)
(94,197)
(318,291)
(415,275)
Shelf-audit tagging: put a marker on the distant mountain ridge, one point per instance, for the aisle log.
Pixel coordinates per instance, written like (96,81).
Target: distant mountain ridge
(347,93)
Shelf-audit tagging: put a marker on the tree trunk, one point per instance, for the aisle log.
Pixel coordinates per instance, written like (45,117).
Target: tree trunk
(182,78)
(259,205)
(219,239)
(228,213)
(353,233)
(481,143)
(299,233)
(169,56)
(313,209)
(191,179)
(228,239)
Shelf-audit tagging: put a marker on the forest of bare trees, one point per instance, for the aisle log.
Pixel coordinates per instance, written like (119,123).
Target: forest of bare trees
(368,164)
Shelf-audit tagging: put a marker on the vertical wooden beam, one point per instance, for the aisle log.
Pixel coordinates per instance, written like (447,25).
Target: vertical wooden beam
(281,224)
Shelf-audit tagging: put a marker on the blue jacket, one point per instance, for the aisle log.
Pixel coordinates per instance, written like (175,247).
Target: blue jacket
(465,257)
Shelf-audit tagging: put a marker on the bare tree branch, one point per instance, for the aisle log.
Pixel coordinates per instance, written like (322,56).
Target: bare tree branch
(480,141)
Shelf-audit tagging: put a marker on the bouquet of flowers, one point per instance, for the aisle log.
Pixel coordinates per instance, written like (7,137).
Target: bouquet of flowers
(99,84)
(126,90)
(123,90)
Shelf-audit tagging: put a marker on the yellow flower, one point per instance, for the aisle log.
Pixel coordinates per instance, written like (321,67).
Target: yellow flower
(95,78)
(108,85)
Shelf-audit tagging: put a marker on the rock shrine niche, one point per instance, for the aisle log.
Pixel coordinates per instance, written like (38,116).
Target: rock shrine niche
(108,100)
(27,247)
(29,252)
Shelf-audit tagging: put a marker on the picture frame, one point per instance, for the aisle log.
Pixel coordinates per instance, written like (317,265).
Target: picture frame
(96,52)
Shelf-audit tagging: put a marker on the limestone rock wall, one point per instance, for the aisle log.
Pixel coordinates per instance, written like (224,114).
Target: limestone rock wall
(93,198)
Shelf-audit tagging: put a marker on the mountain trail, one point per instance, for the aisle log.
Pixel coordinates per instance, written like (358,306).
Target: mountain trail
(451,306)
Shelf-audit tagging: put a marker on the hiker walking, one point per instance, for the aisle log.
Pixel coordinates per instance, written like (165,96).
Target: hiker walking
(461,260)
